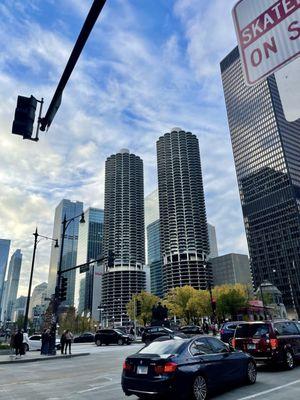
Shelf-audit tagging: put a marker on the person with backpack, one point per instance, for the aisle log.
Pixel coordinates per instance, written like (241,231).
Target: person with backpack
(69,338)
(18,343)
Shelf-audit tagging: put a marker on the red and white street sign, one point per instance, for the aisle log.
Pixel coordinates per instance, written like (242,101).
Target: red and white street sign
(268,34)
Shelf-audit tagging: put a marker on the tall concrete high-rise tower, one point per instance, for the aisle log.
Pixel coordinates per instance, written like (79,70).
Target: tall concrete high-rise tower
(69,209)
(12,284)
(266,152)
(183,225)
(4,252)
(123,234)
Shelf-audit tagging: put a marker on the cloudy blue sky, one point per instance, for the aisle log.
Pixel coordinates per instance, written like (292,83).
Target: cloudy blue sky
(149,65)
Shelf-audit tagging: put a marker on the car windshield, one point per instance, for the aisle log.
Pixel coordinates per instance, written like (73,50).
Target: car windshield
(166,348)
(119,331)
(251,330)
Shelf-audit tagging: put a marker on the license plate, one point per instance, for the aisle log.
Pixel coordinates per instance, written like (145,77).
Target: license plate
(251,346)
(142,370)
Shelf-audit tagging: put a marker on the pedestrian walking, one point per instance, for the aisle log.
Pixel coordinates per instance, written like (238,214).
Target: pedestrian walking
(205,327)
(45,342)
(69,338)
(12,344)
(18,342)
(63,342)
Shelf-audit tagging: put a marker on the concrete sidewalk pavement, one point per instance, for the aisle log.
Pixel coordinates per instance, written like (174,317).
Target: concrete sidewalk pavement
(35,356)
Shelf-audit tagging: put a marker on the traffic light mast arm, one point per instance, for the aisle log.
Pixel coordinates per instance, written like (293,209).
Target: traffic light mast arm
(82,265)
(79,45)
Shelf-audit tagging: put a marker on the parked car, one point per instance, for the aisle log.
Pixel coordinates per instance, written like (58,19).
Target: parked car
(270,341)
(153,332)
(191,330)
(227,331)
(112,336)
(34,342)
(86,337)
(185,368)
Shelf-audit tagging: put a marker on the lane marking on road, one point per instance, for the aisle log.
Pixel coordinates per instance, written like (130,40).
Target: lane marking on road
(91,389)
(253,396)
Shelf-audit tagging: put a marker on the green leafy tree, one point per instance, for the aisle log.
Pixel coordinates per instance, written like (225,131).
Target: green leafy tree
(230,299)
(76,323)
(146,301)
(188,303)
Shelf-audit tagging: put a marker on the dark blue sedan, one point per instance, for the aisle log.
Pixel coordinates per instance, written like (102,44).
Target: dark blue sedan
(185,369)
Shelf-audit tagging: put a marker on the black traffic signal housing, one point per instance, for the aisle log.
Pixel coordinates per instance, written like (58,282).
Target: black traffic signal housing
(24,116)
(111,259)
(63,289)
(214,305)
(138,308)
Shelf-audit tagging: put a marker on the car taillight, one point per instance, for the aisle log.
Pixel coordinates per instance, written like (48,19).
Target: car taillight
(127,366)
(273,344)
(167,368)
(233,342)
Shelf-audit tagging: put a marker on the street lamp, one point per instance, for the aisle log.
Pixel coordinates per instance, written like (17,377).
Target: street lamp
(101,309)
(36,241)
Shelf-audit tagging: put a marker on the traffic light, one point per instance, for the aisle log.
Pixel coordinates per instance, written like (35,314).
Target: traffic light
(63,289)
(214,305)
(111,259)
(24,116)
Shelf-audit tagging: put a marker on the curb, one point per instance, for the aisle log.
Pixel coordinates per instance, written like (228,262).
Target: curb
(46,358)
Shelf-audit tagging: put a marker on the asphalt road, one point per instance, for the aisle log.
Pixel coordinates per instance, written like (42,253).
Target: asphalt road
(98,377)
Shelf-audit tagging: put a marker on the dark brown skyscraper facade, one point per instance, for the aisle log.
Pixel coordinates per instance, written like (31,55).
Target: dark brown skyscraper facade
(266,151)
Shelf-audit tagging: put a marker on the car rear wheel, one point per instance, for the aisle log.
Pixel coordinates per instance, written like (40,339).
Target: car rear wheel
(251,373)
(289,361)
(200,388)
(98,342)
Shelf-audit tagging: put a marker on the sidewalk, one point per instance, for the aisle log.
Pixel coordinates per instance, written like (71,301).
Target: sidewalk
(33,356)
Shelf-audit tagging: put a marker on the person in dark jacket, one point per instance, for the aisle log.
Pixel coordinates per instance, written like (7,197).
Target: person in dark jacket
(45,342)
(63,342)
(18,342)
(205,327)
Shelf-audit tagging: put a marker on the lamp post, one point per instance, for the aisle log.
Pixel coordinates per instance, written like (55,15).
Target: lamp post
(101,309)
(65,223)
(36,236)
(208,286)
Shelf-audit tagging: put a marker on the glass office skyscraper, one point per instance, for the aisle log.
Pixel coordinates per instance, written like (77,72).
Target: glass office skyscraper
(70,209)
(266,151)
(124,234)
(12,284)
(155,258)
(90,247)
(183,225)
(4,252)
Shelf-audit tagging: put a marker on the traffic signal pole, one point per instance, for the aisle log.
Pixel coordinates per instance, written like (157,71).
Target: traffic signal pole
(79,45)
